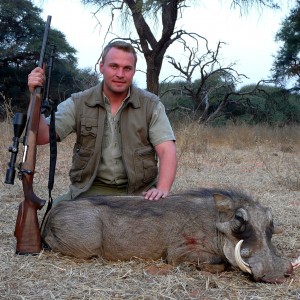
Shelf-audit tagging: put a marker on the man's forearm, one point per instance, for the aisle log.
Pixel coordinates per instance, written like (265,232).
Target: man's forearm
(167,168)
(43,133)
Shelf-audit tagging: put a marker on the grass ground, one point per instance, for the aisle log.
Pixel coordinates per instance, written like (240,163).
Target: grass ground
(263,161)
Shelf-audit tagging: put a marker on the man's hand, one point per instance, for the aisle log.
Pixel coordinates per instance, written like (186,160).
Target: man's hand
(36,78)
(155,194)
(166,153)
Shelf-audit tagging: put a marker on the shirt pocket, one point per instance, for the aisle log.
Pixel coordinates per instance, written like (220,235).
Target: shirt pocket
(88,132)
(81,157)
(146,164)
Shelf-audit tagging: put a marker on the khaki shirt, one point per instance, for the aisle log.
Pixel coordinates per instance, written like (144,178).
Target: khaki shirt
(111,170)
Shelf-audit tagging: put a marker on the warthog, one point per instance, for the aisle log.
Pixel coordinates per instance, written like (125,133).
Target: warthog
(207,227)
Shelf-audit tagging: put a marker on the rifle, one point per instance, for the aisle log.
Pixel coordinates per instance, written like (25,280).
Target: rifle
(27,231)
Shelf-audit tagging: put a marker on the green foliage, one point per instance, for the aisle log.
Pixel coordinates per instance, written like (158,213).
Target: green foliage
(268,104)
(287,62)
(189,94)
(21,34)
(19,27)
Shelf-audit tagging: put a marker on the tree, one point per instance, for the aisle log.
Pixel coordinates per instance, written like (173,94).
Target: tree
(154,48)
(21,34)
(269,104)
(287,61)
(251,104)
(215,86)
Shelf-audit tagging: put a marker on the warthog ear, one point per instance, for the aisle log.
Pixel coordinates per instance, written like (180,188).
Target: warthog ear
(223,203)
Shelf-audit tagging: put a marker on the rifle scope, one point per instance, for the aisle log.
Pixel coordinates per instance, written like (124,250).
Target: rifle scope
(19,125)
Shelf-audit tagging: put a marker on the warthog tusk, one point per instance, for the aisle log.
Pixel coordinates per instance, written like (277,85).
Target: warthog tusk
(296,263)
(238,258)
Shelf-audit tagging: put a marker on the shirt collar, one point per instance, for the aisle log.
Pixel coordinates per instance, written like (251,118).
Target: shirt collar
(106,99)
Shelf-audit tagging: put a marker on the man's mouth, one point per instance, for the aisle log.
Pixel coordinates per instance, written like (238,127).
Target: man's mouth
(119,82)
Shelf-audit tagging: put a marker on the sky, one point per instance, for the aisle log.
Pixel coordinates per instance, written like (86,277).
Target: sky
(250,39)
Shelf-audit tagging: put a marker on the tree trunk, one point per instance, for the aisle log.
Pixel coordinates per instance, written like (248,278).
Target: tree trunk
(154,50)
(152,78)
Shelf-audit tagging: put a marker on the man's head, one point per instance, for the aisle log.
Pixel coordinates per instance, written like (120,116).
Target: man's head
(118,68)
(121,45)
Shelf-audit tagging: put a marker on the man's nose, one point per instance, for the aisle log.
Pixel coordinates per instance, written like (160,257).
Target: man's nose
(120,72)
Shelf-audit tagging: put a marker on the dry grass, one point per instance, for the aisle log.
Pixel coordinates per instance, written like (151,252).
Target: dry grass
(261,160)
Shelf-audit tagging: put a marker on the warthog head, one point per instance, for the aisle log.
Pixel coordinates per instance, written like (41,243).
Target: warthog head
(247,234)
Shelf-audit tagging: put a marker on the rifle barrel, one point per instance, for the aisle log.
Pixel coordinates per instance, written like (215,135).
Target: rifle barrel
(45,39)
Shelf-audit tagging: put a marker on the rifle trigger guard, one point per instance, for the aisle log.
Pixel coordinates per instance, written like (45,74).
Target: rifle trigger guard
(24,171)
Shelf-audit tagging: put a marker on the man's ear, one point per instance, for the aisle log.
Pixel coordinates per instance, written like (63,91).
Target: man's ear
(101,67)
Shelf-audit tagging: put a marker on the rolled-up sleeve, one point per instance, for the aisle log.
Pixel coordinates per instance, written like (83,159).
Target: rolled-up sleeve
(64,118)
(160,129)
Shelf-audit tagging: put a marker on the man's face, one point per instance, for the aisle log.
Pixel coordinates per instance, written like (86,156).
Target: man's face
(118,70)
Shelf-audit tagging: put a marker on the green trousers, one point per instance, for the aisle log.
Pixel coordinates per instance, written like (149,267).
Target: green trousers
(96,189)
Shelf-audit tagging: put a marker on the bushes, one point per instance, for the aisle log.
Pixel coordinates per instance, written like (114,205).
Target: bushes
(267,104)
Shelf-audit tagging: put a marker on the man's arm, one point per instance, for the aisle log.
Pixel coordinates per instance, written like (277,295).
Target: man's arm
(43,133)
(166,153)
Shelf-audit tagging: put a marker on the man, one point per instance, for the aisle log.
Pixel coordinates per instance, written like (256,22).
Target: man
(120,131)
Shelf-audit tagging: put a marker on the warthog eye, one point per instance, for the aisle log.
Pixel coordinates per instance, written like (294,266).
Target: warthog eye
(242,213)
(238,225)
(240,220)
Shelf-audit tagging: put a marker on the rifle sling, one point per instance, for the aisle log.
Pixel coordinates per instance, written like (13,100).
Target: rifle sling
(53,151)
(53,157)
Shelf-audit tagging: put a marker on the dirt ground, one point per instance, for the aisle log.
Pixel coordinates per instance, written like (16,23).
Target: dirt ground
(268,171)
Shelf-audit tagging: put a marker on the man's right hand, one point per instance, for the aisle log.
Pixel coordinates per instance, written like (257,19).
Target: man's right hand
(36,78)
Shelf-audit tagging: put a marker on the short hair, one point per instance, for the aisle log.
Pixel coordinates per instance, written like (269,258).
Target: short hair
(119,45)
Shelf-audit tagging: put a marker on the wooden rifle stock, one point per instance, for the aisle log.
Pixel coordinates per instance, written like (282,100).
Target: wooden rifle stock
(27,231)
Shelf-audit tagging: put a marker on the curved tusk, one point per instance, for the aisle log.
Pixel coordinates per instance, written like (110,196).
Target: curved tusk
(240,262)
(296,263)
